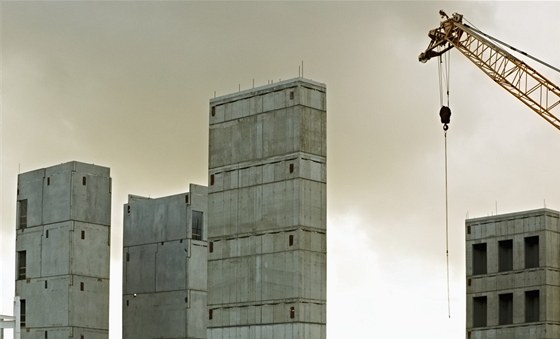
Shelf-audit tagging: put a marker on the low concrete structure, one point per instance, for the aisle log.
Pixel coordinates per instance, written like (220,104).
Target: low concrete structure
(513,275)
(267,212)
(62,243)
(164,266)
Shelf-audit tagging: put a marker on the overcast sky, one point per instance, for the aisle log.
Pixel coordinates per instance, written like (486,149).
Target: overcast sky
(126,85)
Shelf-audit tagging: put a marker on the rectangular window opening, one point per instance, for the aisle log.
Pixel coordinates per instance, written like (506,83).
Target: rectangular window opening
(84,180)
(532,306)
(210,314)
(479,311)
(22,312)
(505,255)
(22,265)
(22,215)
(81,286)
(506,309)
(211,179)
(532,252)
(292,312)
(47,234)
(127,256)
(479,260)
(197,221)
(469,229)
(128,209)
(46,284)
(291,95)
(291,240)
(213,110)
(211,246)
(48,181)
(83,235)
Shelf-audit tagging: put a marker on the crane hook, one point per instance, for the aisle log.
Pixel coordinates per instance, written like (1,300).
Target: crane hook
(445,117)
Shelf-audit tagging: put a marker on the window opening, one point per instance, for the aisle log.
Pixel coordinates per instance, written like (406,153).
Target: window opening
(479,260)
(127,256)
(46,233)
(469,229)
(197,220)
(291,240)
(291,95)
(506,309)
(48,181)
(83,235)
(46,284)
(22,217)
(532,252)
(532,306)
(291,168)
(22,312)
(213,109)
(479,311)
(22,264)
(211,246)
(211,179)
(210,314)
(505,255)
(81,286)
(128,209)
(84,179)
(292,312)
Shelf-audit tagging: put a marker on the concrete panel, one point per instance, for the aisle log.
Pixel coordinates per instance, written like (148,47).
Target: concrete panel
(197,315)
(30,188)
(29,240)
(140,269)
(159,315)
(91,250)
(197,267)
(91,198)
(40,296)
(57,249)
(57,189)
(93,292)
(170,267)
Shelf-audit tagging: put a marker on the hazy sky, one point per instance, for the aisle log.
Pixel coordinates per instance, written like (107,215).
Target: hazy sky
(126,85)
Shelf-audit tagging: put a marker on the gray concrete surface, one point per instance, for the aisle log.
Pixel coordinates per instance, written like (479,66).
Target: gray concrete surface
(516,280)
(165,267)
(267,212)
(63,227)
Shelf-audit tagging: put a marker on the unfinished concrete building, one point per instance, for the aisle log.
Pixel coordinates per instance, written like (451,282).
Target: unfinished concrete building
(513,275)
(267,212)
(164,266)
(62,243)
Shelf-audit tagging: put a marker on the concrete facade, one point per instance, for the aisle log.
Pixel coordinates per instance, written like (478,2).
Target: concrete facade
(513,276)
(165,266)
(63,251)
(267,212)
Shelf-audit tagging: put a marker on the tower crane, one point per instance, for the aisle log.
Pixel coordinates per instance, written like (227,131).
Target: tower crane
(514,75)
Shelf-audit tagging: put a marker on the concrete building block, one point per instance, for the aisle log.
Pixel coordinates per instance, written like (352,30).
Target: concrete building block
(197,315)
(57,249)
(40,296)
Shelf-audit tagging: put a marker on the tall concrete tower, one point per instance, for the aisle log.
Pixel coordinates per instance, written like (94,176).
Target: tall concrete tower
(267,212)
(164,266)
(62,243)
(513,279)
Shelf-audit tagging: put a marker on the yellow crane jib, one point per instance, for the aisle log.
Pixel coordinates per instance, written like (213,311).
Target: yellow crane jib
(511,73)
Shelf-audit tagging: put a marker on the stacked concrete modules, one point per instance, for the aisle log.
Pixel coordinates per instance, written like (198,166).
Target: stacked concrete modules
(164,263)
(62,244)
(513,275)
(267,212)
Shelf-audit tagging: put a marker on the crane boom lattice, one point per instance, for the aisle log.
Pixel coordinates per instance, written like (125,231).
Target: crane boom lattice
(514,75)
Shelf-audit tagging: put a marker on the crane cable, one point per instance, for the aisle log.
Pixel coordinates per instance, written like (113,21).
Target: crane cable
(444,72)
